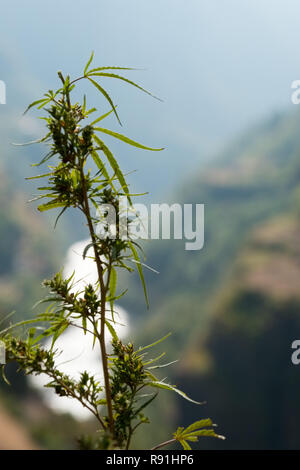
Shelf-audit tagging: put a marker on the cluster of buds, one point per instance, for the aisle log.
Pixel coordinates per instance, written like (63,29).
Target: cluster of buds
(87,306)
(69,140)
(128,376)
(30,359)
(127,364)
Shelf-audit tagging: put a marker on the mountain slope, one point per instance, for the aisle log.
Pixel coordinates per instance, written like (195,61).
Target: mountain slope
(252,180)
(12,435)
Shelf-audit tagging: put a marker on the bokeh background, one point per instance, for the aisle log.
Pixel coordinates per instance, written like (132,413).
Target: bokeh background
(231,132)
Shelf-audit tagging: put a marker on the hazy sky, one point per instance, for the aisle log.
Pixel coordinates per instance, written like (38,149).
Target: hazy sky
(219,66)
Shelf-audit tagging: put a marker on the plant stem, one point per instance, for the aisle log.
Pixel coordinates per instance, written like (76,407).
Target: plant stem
(103,292)
(95,412)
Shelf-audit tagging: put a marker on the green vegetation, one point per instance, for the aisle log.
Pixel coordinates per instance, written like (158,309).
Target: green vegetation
(118,401)
(221,303)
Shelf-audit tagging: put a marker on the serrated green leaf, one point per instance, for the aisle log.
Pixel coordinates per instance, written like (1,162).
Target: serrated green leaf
(161,366)
(191,438)
(103,401)
(111,330)
(21,323)
(86,249)
(59,216)
(117,297)
(102,117)
(201,432)
(152,344)
(59,332)
(106,95)
(100,164)
(101,167)
(119,77)
(149,374)
(88,63)
(185,445)
(144,405)
(203,423)
(114,164)
(154,360)
(66,84)
(37,141)
(192,432)
(34,103)
(31,334)
(50,205)
(45,159)
(38,176)
(90,111)
(98,69)
(95,336)
(166,386)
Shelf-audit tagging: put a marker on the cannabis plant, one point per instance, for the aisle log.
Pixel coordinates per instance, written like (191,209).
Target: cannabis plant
(84,174)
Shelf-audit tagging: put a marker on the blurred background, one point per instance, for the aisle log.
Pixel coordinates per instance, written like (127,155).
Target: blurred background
(231,132)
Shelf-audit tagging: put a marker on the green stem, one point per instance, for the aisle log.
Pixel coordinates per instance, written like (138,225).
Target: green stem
(166,443)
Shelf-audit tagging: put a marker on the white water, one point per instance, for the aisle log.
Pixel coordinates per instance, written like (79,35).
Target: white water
(77,352)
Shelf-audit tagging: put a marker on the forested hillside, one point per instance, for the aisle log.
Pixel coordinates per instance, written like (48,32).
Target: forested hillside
(243,362)
(237,300)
